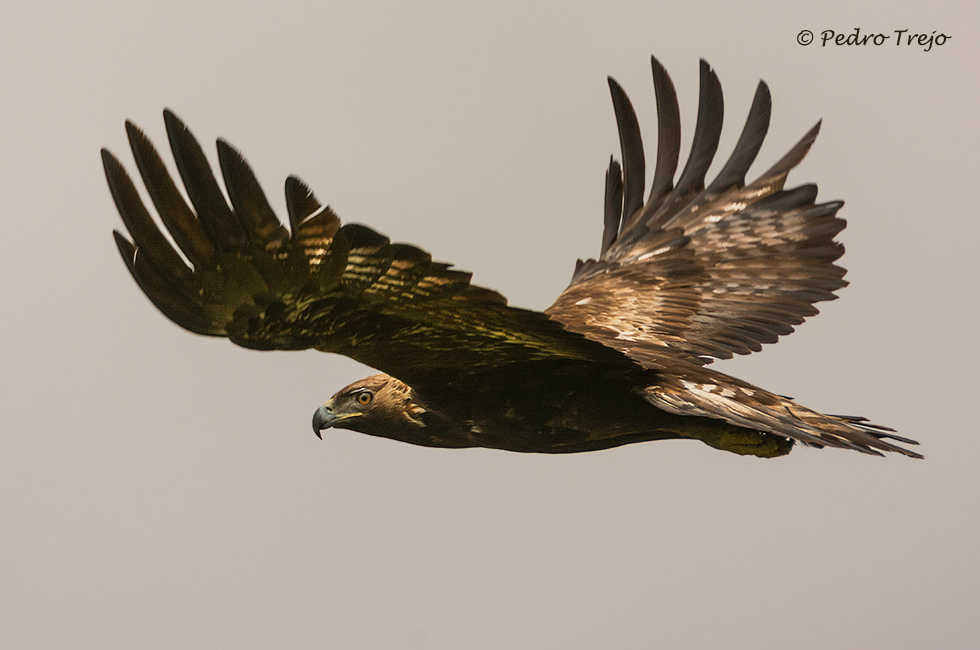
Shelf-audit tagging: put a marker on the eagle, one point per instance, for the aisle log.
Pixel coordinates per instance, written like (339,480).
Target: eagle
(687,273)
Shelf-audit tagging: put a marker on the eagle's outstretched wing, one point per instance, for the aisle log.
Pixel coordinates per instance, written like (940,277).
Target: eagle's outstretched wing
(241,274)
(695,272)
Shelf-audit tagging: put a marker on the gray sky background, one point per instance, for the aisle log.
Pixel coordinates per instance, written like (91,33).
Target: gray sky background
(163,490)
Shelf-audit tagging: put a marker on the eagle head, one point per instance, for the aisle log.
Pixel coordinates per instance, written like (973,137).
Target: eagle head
(378,405)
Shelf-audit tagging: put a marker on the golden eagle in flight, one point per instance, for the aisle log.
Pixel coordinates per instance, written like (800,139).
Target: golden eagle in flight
(686,274)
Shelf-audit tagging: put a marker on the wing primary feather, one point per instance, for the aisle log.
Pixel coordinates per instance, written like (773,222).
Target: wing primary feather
(300,201)
(634,165)
(145,233)
(166,294)
(668,137)
(176,215)
(706,135)
(215,216)
(775,176)
(748,145)
(251,206)
(614,204)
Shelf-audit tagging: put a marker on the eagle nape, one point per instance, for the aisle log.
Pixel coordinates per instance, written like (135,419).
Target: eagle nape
(688,273)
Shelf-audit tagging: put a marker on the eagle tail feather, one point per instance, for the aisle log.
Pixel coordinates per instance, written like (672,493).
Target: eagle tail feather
(707,393)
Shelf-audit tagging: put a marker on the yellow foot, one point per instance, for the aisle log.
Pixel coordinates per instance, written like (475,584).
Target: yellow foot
(748,443)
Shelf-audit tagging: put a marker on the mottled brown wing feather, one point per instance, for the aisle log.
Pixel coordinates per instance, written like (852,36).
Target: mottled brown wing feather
(700,273)
(241,274)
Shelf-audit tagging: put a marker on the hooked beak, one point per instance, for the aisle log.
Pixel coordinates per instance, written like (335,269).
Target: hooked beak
(324,418)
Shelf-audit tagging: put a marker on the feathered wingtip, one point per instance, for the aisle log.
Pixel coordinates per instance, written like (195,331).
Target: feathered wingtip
(666,198)
(209,233)
(233,256)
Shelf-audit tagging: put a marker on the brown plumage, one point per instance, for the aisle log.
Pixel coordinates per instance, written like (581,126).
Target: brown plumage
(686,274)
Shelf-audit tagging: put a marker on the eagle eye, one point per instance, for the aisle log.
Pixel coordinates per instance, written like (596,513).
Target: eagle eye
(364,398)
